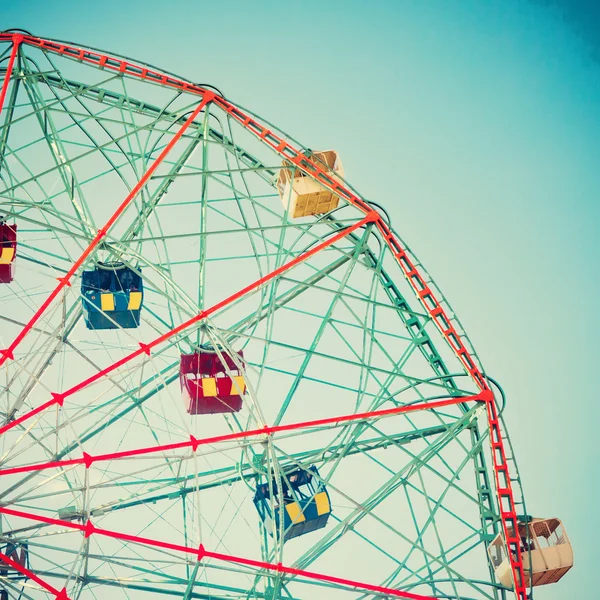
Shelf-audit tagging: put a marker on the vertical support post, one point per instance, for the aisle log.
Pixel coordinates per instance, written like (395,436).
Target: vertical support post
(202,252)
(17,39)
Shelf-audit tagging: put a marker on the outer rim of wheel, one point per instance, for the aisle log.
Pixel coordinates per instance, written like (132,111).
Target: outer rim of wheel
(388,234)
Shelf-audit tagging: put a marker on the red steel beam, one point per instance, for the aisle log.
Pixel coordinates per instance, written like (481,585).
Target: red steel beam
(59,398)
(16,40)
(65,281)
(425,295)
(194,443)
(90,529)
(60,594)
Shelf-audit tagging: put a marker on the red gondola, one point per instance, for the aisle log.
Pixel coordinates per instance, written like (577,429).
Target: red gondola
(8,251)
(207,387)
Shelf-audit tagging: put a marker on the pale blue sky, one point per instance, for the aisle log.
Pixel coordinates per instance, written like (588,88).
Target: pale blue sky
(476,124)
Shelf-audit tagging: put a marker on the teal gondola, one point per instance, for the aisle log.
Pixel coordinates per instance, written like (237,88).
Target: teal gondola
(112,296)
(306,503)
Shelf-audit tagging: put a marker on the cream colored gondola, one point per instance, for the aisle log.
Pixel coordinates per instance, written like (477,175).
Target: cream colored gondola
(545,548)
(301,194)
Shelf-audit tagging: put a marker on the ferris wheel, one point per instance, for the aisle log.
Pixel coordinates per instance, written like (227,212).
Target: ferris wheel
(222,372)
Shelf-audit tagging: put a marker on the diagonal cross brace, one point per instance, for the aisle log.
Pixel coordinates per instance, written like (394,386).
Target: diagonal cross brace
(202,554)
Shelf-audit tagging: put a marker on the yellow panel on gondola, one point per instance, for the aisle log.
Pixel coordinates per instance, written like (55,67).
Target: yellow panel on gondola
(135,301)
(295,512)
(209,386)
(322,502)
(107,302)
(6,256)
(238,385)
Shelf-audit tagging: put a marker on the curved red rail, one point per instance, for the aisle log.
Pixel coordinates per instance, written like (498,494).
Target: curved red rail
(287,151)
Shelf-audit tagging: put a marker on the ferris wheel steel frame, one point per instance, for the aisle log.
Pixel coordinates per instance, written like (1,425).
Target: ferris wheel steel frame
(416,279)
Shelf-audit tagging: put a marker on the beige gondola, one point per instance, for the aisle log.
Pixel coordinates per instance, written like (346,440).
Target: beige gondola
(302,195)
(546,550)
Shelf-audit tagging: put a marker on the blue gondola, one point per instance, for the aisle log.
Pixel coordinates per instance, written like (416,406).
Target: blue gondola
(112,296)
(306,504)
